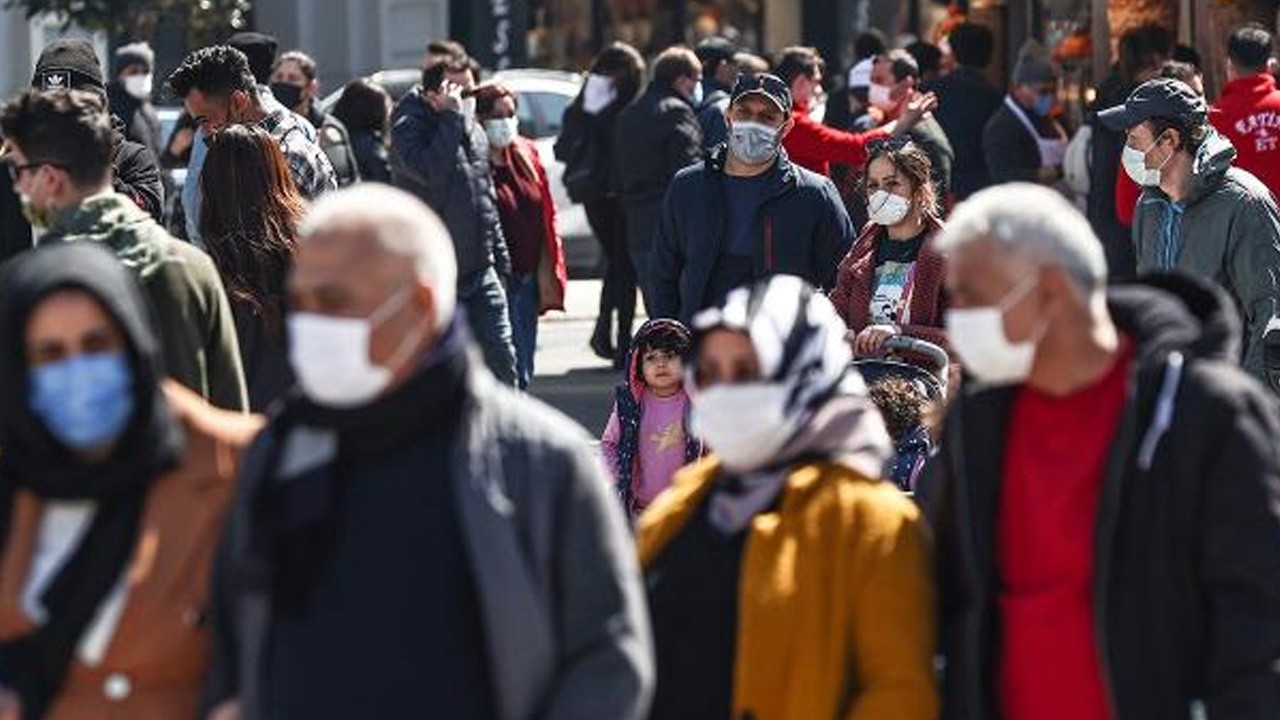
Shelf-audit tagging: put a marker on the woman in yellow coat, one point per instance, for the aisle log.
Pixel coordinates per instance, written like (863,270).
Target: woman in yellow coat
(786,581)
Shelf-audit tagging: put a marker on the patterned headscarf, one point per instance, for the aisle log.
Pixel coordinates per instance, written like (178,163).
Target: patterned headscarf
(799,343)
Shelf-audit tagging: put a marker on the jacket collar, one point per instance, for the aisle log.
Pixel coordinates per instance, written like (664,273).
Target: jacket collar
(781,176)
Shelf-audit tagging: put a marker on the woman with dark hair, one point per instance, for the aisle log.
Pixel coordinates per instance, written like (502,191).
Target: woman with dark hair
(365,108)
(116,487)
(528,214)
(249,223)
(585,146)
(786,581)
(891,282)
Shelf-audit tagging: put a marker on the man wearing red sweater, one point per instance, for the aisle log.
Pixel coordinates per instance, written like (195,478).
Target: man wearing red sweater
(1248,111)
(815,146)
(1106,503)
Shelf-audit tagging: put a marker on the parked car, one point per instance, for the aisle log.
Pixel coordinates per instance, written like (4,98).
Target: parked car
(544,95)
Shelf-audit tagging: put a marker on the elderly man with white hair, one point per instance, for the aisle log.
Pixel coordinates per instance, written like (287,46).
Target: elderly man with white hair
(411,539)
(1107,499)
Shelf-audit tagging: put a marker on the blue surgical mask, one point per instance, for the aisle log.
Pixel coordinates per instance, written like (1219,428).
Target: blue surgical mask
(1044,105)
(696,96)
(86,401)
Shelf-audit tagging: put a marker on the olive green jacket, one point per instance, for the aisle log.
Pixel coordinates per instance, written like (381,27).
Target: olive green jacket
(188,303)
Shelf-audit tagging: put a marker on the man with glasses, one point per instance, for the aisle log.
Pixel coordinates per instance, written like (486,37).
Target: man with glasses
(746,212)
(58,153)
(1199,213)
(73,64)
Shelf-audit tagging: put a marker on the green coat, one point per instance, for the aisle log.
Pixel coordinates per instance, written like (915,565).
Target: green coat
(183,288)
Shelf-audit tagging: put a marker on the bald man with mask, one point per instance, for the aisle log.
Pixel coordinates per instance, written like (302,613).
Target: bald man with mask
(428,534)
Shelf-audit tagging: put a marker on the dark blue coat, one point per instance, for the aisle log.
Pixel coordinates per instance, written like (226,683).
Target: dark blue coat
(801,228)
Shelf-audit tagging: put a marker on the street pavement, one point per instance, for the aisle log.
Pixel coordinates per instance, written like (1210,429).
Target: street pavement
(567,374)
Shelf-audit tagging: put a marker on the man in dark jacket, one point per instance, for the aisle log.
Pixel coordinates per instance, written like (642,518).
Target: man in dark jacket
(1107,499)
(295,84)
(74,64)
(408,533)
(1199,213)
(655,137)
(57,144)
(441,154)
(966,101)
(746,212)
(719,73)
(1022,141)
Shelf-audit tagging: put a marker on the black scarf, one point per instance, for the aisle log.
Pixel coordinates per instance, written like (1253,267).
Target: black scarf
(32,459)
(296,510)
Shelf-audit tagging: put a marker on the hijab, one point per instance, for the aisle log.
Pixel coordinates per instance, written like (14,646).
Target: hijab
(799,341)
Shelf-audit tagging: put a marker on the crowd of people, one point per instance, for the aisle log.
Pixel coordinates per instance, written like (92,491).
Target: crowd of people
(925,418)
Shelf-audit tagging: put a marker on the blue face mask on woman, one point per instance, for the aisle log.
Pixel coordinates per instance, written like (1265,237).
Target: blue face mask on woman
(86,401)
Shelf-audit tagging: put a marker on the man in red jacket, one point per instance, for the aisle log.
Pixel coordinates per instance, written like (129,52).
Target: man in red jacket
(1248,111)
(815,146)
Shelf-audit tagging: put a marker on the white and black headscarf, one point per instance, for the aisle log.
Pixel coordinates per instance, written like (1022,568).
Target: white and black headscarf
(799,342)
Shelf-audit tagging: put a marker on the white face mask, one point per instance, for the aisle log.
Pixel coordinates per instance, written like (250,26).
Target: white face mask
(139,86)
(718,417)
(987,353)
(469,108)
(1135,166)
(881,96)
(597,94)
(501,131)
(886,208)
(330,355)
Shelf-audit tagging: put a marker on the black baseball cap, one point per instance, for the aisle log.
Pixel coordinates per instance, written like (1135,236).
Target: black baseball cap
(1158,98)
(769,86)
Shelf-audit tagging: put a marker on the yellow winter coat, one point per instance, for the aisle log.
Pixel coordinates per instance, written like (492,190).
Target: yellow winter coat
(836,612)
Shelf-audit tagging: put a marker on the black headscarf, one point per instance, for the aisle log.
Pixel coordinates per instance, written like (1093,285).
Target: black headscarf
(32,459)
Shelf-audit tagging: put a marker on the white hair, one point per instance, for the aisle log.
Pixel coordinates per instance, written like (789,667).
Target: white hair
(402,225)
(1033,223)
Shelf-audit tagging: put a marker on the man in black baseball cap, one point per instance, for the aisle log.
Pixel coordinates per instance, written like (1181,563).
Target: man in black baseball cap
(1200,214)
(73,65)
(764,214)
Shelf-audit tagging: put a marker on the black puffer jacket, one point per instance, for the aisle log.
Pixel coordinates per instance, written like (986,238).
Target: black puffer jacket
(801,228)
(655,137)
(444,159)
(1187,547)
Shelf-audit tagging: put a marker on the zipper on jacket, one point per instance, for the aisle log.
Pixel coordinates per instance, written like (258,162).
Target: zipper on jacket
(1108,517)
(768,244)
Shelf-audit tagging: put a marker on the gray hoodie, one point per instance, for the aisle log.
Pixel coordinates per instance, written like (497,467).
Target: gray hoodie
(1226,230)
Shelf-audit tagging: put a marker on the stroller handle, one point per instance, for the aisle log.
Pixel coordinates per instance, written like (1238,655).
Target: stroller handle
(936,355)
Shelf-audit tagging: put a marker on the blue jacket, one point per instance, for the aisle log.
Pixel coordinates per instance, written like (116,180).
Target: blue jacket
(801,227)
